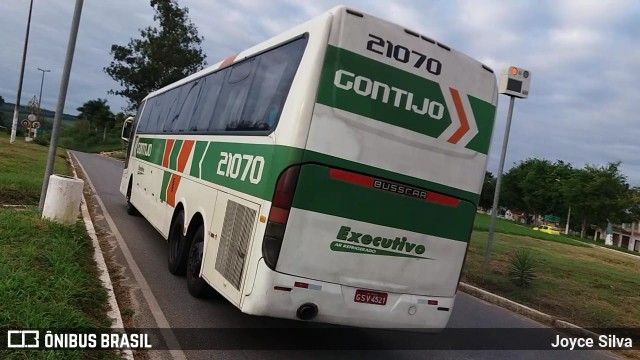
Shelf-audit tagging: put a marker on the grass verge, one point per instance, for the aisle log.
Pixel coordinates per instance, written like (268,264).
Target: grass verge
(583,285)
(509,227)
(48,281)
(22,167)
(48,278)
(482,222)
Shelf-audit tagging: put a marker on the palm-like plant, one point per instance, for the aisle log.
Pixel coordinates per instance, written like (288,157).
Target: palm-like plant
(522,268)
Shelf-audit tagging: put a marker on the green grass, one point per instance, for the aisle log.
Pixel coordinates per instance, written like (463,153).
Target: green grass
(22,166)
(48,277)
(582,285)
(48,281)
(482,223)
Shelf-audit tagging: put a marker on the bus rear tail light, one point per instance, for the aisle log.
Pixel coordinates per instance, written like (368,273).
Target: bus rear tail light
(279,215)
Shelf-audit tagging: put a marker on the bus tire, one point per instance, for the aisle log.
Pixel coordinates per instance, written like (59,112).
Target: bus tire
(131,210)
(178,251)
(197,286)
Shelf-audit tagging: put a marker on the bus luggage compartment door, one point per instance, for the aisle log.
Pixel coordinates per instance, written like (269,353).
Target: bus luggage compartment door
(227,249)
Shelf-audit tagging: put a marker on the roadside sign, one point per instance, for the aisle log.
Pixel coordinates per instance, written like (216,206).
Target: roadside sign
(36,125)
(25,123)
(31,117)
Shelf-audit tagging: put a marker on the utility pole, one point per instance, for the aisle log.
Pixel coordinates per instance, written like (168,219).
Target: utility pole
(566,230)
(62,96)
(41,83)
(16,111)
(514,82)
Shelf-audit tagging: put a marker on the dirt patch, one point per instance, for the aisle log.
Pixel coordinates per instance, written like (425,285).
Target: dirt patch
(18,197)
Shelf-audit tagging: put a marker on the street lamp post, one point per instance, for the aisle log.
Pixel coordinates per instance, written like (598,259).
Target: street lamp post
(41,83)
(62,96)
(16,111)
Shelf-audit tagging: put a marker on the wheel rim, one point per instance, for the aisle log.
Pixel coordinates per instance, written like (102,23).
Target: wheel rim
(174,243)
(195,260)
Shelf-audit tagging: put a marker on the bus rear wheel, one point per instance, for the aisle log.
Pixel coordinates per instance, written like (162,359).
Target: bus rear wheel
(197,286)
(178,246)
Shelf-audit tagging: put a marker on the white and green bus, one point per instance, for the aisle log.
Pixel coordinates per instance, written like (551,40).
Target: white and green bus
(329,174)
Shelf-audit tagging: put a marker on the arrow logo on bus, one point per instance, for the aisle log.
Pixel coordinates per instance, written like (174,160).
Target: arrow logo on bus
(463,126)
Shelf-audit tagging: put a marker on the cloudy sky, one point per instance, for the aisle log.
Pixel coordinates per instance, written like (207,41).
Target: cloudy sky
(584,57)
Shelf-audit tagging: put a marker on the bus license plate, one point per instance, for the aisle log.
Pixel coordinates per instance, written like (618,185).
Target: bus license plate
(370,297)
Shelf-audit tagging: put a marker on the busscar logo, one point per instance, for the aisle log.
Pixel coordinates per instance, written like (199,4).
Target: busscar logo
(399,189)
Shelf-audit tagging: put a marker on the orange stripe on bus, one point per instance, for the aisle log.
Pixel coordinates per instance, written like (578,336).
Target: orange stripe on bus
(464,123)
(228,61)
(167,152)
(172,189)
(187,145)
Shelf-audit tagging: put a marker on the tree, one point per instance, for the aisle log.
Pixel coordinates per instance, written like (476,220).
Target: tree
(98,114)
(488,190)
(160,57)
(534,187)
(598,194)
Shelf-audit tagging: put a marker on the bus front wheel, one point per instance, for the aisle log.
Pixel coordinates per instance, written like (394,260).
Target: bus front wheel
(131,210)
(197,286)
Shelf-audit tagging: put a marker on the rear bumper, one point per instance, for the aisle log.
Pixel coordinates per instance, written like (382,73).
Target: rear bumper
(336,304)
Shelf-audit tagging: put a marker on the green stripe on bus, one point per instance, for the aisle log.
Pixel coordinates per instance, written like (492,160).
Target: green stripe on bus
(381,92)
(277,158)
(376,84)
(316,157)
(173,158)
(155,154)
(217,160)
(198,153)
(318,192)
(484,114)
(165,182)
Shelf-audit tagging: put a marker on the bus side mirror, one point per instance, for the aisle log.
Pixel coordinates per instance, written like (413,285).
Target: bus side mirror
(127,127)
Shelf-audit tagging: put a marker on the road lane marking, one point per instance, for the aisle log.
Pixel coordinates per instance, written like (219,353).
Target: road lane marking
(154,307)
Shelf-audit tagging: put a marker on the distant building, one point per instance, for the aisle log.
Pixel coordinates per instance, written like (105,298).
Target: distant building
(626,236)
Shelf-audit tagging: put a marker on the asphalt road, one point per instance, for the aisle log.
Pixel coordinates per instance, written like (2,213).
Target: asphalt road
(161,300)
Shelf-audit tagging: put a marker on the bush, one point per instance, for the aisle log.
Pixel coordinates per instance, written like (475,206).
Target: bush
(42,140)
(522,268)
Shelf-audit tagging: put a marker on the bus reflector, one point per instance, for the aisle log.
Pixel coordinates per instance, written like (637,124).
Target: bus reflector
(432,302)
(282,288)
(442,199)
(301,285)
(399,189)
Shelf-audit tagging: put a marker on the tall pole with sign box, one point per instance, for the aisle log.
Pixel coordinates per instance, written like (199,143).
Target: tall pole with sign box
(515,82)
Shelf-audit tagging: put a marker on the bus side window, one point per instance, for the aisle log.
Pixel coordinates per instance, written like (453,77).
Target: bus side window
(227,115)
(177,104)
(187,107)
(206,101)
(146,115)
(271,85)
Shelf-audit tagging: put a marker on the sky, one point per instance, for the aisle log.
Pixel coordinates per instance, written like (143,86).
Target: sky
(584,57)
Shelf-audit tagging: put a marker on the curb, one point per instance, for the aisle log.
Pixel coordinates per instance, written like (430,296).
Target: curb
(526,311)
(105,279)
